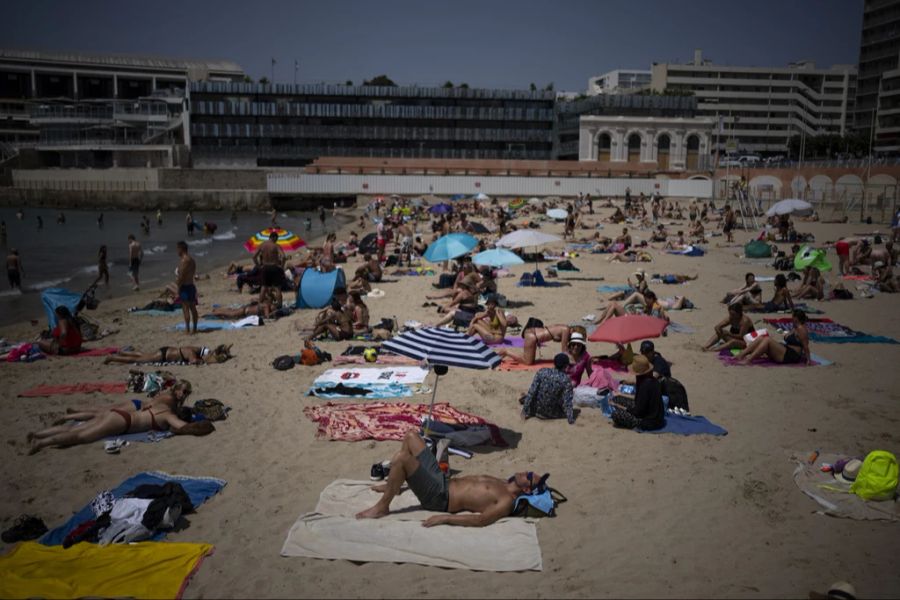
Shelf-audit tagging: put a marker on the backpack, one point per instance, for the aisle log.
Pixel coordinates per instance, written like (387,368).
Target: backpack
(538,504)
(283,363)
(878,477)
(211,409)
(676,392)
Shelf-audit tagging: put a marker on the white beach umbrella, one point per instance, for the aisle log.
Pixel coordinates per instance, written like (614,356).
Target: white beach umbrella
(481,197)
(791,205)
(522,238)
(557,213)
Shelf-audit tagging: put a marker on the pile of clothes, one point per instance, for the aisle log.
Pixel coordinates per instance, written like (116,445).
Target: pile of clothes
(149,383)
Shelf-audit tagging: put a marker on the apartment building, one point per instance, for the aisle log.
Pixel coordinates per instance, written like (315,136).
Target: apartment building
(620,81)
(878,86)
(761,108)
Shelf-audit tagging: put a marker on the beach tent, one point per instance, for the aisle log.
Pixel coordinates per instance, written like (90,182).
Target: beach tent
(317,289)
(53,297)
(757,249)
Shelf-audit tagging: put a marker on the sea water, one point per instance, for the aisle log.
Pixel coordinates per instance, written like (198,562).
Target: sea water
(65,255)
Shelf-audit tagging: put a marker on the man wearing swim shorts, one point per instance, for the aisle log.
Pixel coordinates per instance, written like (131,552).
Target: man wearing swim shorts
(135,256)
(270,258)
(187,290)
(842,247)
(14,269)
(488,498)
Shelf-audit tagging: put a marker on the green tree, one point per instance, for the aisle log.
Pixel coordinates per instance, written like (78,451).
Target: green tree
(447,84)
(532,87)
(549,87)
(380,80)
(348,83)
(264,80)
(463,86)
(248,79)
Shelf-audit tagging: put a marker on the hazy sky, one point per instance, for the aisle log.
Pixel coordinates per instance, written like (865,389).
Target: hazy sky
(485,43)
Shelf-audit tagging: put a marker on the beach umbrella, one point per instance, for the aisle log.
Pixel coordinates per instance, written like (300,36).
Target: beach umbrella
(450,246)
(442,348)
(516,204)
(534,201)
(478,227)
(629,328)
(811,257)
(482,197)
(791,205)
(369,244)
(440,209)
(522,238)
(498,257)
(288,240)
(557,213)
(456,197)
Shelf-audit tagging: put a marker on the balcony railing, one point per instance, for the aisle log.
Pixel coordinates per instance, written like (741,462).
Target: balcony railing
(299,152)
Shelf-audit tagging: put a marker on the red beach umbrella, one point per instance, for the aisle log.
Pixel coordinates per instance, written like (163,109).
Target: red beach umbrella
(629,328)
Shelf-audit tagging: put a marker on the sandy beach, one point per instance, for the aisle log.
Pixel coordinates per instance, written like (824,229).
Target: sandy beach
(647,516)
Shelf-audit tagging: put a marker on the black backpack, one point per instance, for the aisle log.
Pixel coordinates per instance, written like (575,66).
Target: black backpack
(674,389)
(283,363)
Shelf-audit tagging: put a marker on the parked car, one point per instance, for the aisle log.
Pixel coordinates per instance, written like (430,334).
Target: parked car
(749,159)
(730,161)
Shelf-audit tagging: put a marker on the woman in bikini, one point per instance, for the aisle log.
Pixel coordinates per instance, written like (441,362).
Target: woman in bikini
(650,305)
(813,285)
(262,308)
(360,312)
(158,414)
(66,336)
(535,334)
(192,355)
(781,300)
(751,293)
(731,330)
(490,324)
(794,349)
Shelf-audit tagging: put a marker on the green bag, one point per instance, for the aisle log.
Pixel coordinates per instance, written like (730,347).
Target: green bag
(757,249)
(878,476)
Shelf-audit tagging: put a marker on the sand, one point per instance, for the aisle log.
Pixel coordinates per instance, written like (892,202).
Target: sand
(648,515)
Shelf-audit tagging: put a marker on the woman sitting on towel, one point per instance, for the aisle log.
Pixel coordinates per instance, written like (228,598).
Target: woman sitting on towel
(637,289)
(794,349)
(336,321)
(65,337)
(750,293)
(579,359)
(359,310)
(191,355)
(780,301)
(490,324)
(158,414)
(360,283)
(535,334)
(731,330)
(813,285)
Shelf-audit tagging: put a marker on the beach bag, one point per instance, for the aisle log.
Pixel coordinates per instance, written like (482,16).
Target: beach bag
(538,504)
(285,362)
(750,337)
(211,409)
(676,393)
(565,265)
(89,330)
(878,476)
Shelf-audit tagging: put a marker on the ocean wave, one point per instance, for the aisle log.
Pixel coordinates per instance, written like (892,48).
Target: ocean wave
(202,242)
(229,235)
(43,285)
(156,249)
(201,253)
(7,293)
(91,270)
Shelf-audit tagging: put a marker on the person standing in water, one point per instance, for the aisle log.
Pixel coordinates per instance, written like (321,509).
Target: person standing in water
(60,218)
(3,233)
(100,221)
(135,256)
(102,266)
(189,221)
(159,217)
(40,222)
(14,270)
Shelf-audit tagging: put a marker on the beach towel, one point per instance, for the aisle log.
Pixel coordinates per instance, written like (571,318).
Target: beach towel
(510,342)
(142,570)
(152,312)
(102,387)
(810,310)
(834,496)
(355,375)
(386,420)
(602,378)
(688,425)
(363,391)
(146,437)
(333,532)
(827,331)
(199,489)
(202,325)
(86,352)
(508,364)
(679,328)
(728,358)
(383,359)
(609,289)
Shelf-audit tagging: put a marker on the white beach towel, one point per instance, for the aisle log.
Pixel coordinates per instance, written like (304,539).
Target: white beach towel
(393,374)
(333,532)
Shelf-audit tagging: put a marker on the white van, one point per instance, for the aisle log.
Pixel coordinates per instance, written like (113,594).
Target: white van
(749,159)
(730,161)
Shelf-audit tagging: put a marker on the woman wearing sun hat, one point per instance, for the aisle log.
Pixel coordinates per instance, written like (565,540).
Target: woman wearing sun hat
(579,359)
(646,410)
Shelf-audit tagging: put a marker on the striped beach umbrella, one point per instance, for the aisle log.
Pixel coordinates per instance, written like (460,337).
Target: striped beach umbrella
(288,240)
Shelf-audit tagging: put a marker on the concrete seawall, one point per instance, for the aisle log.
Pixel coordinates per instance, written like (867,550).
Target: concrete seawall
(138,200)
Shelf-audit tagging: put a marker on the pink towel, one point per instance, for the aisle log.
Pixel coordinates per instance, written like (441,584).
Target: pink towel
(602,379)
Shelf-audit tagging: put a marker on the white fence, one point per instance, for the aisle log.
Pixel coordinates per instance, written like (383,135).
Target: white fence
(317,184)
(87,180)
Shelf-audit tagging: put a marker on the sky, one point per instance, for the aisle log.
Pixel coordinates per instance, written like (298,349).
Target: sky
(484,43)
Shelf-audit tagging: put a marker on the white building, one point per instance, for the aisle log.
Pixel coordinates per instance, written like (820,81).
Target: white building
(620,81)
(761,108)
(665,143)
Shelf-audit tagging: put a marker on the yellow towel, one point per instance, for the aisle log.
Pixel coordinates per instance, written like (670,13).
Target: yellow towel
(143,570)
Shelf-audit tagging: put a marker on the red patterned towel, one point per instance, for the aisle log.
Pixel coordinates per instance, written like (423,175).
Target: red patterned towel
(386,420)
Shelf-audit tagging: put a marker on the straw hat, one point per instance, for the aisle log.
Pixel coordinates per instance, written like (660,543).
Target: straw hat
(640,365)
(850,471)
(640,273)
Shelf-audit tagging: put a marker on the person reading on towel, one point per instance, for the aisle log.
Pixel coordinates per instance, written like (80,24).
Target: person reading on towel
(191,355)
(646,410)
(489,499)
(93,424)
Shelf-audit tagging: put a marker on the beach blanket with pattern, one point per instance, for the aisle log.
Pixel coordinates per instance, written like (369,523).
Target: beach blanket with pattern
(386,420)
(142,570)
(827,331)
(729,357)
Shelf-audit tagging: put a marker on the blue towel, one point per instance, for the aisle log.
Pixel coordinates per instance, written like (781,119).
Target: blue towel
(155,313)
(609,289)
(679,328)
(199,490)
(688,426)
(211,325)
(545,284)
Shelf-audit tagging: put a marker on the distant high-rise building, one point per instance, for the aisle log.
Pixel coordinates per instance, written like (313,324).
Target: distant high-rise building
(878,84)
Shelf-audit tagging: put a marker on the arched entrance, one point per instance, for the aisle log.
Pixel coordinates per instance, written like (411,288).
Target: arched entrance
(693,152)
(604,147)
(662,151)
(634,148)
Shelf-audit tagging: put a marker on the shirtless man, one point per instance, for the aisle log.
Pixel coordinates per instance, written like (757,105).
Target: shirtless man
(624,239)
(270,258)
(729,222)
(488,498)
(14,270)
(885,255)
(135,256)
(187,291)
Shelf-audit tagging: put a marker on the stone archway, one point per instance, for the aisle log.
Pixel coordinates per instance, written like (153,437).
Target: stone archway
(633,147)
(692,146)
(604,147)
(663,145)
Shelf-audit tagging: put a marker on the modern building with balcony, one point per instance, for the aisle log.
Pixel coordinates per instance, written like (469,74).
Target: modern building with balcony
(246,125)
(761,108)
(877,86)
(620,81)
(75,109)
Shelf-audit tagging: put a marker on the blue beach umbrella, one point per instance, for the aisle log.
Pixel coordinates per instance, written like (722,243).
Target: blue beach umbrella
(456,197)
(498,257)
(450,246)
(440,209)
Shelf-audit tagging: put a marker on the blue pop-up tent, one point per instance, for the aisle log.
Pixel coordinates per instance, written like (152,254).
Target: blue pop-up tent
(316,288)
(53,297)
